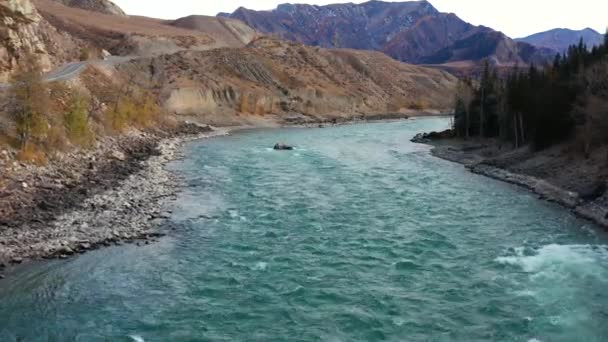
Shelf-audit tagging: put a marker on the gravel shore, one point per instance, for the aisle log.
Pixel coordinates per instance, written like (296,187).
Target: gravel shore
(113,195)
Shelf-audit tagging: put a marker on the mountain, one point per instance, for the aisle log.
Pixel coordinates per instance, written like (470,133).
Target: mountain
(101,6)
(217,69)
(560,39)
(283,81)
(413,31)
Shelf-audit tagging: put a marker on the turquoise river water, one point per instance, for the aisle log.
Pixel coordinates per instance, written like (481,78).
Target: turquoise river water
(357,235)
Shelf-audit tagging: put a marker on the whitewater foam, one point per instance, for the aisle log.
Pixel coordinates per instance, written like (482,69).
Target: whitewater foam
(261,266)
(576,258)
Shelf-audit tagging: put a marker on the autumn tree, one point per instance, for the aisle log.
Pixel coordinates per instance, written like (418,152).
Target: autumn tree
(76,120)
(29,101)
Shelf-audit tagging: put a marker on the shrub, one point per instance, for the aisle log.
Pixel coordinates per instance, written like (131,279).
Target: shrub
(147,111)
(417,105)
(31,153)
(76,121)
(139,110)
(85,54)
(55,140)
(117,117)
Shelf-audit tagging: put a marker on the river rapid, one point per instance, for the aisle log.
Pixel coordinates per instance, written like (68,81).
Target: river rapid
(357,235)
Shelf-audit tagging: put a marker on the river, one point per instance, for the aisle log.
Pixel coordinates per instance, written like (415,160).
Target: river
(357,235)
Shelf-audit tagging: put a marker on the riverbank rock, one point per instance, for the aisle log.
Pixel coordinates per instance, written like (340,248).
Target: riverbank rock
(117,155)
(69,207)
(423,138)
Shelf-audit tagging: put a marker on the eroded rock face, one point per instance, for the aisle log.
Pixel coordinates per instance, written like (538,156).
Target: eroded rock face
(19,34)
(277,79)
(101,6)
(18,8)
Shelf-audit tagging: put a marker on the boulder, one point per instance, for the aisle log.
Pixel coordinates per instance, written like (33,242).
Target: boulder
(433,136)
(593,190)
(117,155)
(65,250)
(282,147)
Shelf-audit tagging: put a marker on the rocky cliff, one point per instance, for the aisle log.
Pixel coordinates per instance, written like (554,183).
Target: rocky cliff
(24,31)
(411,31)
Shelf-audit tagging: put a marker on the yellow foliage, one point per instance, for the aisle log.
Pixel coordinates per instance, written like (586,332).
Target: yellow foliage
(29,101)
(147,111)
(117,117)
(137,110)
(76,121)
(417,105)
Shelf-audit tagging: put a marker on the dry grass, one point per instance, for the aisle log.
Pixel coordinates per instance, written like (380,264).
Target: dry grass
(31,153)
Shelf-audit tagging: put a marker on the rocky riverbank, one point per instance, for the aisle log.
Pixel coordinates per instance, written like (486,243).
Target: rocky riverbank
(575,183)
(112,195)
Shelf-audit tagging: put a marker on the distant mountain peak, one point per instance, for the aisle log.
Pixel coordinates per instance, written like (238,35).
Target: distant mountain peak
(411,31)
(560,39)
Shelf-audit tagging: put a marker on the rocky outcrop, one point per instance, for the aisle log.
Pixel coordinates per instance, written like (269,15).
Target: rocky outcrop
(413,31)
(101,6)
(19,34)
(23,31)
(424,138)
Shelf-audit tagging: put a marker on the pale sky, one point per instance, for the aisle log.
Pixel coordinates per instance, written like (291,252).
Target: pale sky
(516,18)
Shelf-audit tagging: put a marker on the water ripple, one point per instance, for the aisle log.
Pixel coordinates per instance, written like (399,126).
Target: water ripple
(357,236)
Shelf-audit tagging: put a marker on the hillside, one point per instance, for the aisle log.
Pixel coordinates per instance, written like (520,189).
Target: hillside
(413,31)
(101,6)
(288,82)
(560,39)
(233,32)
(135,35)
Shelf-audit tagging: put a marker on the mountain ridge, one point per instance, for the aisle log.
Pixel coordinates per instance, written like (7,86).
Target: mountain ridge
(410,31)
(559,39)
